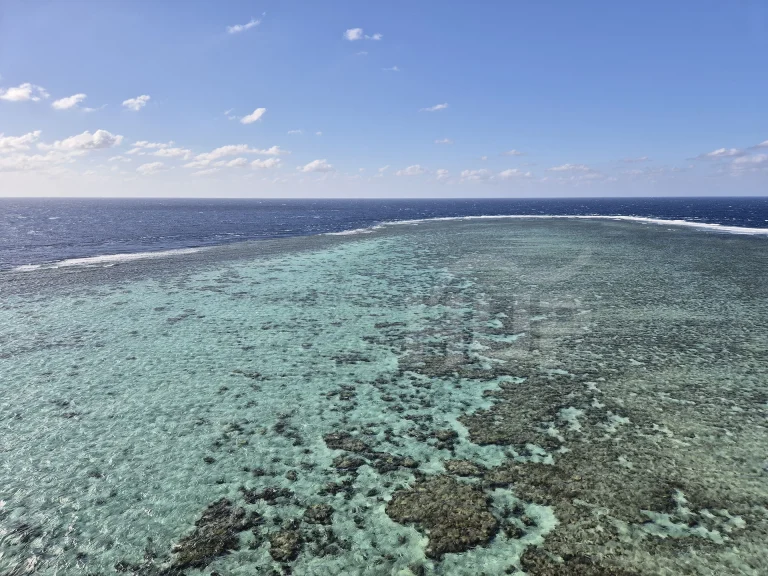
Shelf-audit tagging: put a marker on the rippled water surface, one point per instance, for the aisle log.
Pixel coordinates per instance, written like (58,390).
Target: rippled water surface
(35,231)
(466,397)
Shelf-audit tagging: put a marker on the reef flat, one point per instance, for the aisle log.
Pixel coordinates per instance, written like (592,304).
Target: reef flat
(565,397)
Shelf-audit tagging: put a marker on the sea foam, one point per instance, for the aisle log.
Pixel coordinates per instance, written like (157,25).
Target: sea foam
(106,259)
(639,219)
(113,259)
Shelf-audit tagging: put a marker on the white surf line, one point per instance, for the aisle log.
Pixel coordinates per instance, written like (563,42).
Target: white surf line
(106,259)
(640,219)
(112,259)
(357,230)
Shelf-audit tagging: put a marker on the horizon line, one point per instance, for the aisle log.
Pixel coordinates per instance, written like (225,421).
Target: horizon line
(751,196)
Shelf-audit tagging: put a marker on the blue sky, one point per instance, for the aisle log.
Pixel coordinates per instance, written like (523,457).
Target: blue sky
(371,99)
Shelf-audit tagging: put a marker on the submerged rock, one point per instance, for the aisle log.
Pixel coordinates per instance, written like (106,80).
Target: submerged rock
(269,494)
(445,435)
(347,463)
(285,545)
(318,514)
(385,462)
(464,468)
(334,488)
(216,533)
(536,561)
(321,541)
(455,516)
(345,441)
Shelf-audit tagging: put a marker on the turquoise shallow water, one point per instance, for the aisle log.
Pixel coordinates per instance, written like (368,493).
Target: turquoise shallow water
(590,378)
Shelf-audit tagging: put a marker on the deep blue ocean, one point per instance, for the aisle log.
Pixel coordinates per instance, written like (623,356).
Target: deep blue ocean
(35,231)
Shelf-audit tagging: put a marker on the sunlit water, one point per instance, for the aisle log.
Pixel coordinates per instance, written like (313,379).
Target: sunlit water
(598,386)
(35,231)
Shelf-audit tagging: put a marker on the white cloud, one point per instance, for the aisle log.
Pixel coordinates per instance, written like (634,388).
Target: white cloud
(233,149)
(151,168)
(391,69)
(442,174)
(271,151)
(357,34)
(514,173)
(751,162)
(575,173)
(267,163)
(638,159)
(570,168)
(161,149)
(17,143)
(229,115)
(316,166)
(762,144)
(362,53)
(152,145)
(236,163)
(119,159)
(722,153)
(204,159)
(354,34)
(481,174)
(68,102)
(483,158)
(444,141)
(435,108)
(137,103)
(24,93)
(86,141)
(243,163)
(295,132)
(318,133)
(512,153)
(173,153)
(254,116)
(237,28)
(48,162)
(414,170)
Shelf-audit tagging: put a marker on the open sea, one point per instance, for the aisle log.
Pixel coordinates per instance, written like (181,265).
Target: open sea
(35,231)
(384,387)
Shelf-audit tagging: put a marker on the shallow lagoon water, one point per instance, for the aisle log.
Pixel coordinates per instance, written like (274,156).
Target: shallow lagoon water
(598,387)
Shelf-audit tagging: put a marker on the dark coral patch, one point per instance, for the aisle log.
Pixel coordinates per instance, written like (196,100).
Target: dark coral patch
(455,515)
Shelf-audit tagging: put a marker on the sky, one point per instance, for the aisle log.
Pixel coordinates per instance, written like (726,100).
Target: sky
(283,98)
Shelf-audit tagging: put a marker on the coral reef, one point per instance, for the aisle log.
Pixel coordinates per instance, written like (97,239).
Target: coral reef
(455,515)
(216,532)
